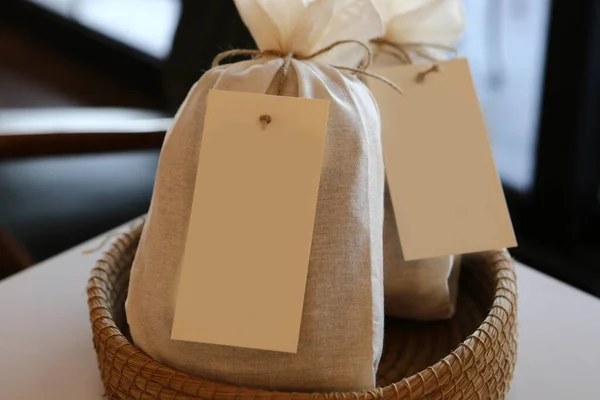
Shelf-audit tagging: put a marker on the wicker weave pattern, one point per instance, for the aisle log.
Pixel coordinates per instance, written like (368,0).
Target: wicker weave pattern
(478,346)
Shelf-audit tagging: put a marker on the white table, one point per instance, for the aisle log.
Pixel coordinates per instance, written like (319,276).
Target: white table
(46,347)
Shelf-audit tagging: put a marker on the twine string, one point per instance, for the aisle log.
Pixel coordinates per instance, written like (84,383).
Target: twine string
(402,50)
(286,54)
(289,56)
(420,78)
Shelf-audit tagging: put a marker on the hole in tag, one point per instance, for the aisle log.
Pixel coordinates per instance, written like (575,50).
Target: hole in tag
(265,120)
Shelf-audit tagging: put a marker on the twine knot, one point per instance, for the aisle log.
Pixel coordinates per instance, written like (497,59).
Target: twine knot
(288,56)
(265,120)
(423,74)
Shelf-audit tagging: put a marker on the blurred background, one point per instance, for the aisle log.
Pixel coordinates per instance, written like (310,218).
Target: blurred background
(88,87)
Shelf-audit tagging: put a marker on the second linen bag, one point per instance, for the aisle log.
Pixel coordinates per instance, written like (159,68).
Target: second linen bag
(421,289)
(341,333)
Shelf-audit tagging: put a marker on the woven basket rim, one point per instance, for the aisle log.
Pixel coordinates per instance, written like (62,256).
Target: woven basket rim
(435,377)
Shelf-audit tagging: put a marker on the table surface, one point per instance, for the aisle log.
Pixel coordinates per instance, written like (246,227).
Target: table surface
(46,349)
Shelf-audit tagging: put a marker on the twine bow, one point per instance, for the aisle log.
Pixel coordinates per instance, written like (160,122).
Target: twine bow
(402,50)
(288,56)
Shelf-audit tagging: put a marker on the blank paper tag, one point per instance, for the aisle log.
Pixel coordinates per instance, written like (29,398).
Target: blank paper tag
(245,266)
(445,189)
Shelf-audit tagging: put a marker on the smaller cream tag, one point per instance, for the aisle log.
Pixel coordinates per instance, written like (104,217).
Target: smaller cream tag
(445,189)
(245,266)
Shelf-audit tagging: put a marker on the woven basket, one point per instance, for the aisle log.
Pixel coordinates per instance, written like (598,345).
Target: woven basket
(471,356)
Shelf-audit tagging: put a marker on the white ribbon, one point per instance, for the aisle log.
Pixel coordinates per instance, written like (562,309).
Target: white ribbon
(427,22)
(306,26)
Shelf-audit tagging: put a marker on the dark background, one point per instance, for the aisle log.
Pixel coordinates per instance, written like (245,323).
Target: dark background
(536,66)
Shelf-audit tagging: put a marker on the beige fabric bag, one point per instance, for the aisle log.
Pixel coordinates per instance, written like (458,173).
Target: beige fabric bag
(341,333)
(422,289)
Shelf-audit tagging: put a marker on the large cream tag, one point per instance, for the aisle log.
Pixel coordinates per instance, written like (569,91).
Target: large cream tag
(244,271)
(445,189)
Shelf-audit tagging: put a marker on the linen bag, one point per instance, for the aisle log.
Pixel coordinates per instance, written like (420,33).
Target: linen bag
(422,289)
(341,334)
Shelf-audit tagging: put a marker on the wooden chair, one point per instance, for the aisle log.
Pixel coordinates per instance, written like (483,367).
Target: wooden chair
(32,133)
(47,144)
(48,131)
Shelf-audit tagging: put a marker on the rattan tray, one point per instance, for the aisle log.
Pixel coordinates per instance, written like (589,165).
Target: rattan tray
(471,356)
